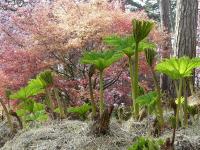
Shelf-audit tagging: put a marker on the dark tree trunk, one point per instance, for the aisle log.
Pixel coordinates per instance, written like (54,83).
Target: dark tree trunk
(101,124)
(186,28)
(167,47)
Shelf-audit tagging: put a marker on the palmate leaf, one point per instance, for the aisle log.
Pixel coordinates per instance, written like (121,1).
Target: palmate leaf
(177,68)
(21,94)
(149,100)
(46,77)
(21,112)
(141,29)
(38,107)
(80,110)
(33,88)
(127,44)
(28,105)
(101,60)
(150,55)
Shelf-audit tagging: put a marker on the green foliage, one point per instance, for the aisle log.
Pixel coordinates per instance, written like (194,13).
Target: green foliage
(101,60)
(34,87)
(177,68)
(150,56)
(182,99)
(30,110)
(80,110)
(141,29)
(127,44)
(132,45)
(193,110)
(141,90)
(57,110)
(46,77)
(36,109)
(145,143)
(149,100)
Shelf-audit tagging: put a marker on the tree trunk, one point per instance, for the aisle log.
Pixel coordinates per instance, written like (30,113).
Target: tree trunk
(186,27)
(167,47)
(102,122)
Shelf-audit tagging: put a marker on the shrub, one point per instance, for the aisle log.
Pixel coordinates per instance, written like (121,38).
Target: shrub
(80,110)
(145,143)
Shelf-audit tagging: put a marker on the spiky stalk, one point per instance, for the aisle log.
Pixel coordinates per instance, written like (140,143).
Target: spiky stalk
(135,93)
(49,100)
(90,74)
(159,103)
(60,104)
(179,101)
(132,82)
(185,104)
(101,102)
(141,29)
(150,56)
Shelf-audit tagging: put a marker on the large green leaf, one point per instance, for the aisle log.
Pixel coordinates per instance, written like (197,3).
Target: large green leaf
(21,94)
(28,104)
(34,87)
(177,68)
(21,112)
(25,92)
(80,109)
(101,60)
(46,77)
(141,29)
(38,107)
(127,44)
(149,100)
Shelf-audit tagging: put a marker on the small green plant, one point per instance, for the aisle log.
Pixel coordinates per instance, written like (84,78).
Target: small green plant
(146,143)
(141,30)
(150,57)
(178,69)
(101,60)
(46,77)
(60,103)
(80,110)
(148,100)
(32,112)
(29,109)
(91,72)
(127,46)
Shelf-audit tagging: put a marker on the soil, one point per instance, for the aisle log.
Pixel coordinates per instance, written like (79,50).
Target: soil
(74,135)
(69,135)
